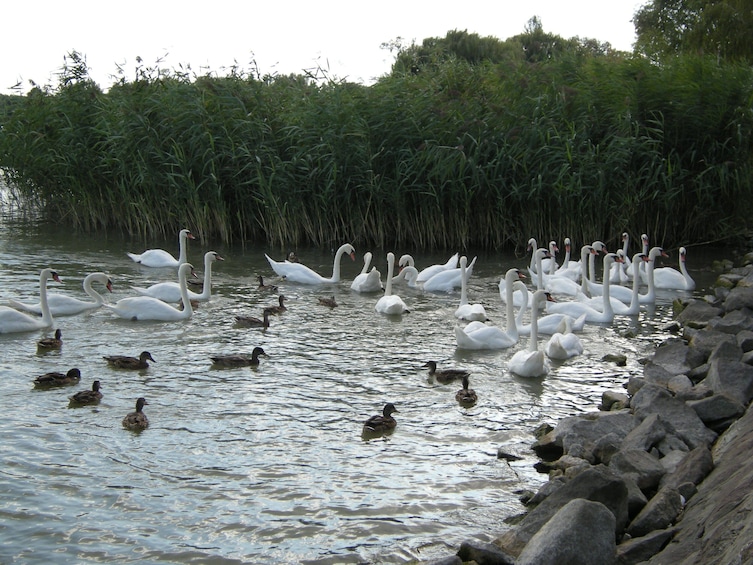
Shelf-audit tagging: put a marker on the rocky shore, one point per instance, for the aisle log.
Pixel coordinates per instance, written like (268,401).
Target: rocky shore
(659,475)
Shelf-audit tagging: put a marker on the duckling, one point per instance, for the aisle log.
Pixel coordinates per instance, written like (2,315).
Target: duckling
(85,397)
(239,359)
(466,396)
(277,309)
(124,362)
(444,375)
(252,322)
(49,380)
(383,422)
(328,302)
(51,342)
(137,421)
(266,287)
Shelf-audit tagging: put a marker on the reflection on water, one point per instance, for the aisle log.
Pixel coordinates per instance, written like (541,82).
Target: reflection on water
(267,464)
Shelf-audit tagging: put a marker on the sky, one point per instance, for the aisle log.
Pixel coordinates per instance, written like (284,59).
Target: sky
(274,36)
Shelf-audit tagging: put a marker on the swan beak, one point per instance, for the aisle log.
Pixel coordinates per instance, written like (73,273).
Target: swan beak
(189,235)
(56,278)
(217,257)
(353,255)
(108,286)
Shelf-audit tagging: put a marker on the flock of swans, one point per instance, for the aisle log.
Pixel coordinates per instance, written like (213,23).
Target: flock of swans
(578,298)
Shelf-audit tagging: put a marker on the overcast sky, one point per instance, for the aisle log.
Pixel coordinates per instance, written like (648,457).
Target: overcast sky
(343,36)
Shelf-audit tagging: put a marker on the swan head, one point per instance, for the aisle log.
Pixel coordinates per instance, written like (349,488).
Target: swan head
(553,247)
(567,244)
(50,274)
(639,257)
(184,233)
(682,251)
(644,239)
(406,260)
(599,246)
(657,252)
(531,243)
(213,256)
(350,250)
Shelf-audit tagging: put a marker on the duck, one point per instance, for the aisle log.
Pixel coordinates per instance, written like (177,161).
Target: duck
(390,304)
(367,281)
(265,287)
(444,375)
(52,342)
(239,359)
(85,397)
(466,396)
(383,422)
(160,257)
(531,362)
(478,335)
(427,273)
(125,362)
(253,322)
(299,273)
(169,291)
(53,379)
(137,420)
(292,257)
(13,321)
(148,308)
(672,279)
(280,308)
(564,344)
(328,301)
(447,280)
(466,311)
(64,305)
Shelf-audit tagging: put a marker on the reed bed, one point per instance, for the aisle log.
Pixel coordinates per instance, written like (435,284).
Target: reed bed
(483,155)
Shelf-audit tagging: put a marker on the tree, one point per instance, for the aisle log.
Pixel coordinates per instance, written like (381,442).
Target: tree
(672,27)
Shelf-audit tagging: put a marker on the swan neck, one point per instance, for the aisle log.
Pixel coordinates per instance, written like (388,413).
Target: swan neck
(187,308)
(182,258)
(390,272)
(89,289)
(336,265)
(46,314)
(206,291)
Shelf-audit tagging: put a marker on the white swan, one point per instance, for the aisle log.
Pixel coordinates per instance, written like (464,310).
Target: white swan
(564,344)
(643,267)
(672,279)
(618,273)
(538,276)
(13,321)
(478,335)
(429,272)
(139,308)
(519,299)
(569,269)
(160,257)
(169,291)
(390,304)
(297,272)
(549,264)
(618,304)
(64,305)
(468,311)
(531,362)
(577,309)
(448,280)
(367,281)
(409,274)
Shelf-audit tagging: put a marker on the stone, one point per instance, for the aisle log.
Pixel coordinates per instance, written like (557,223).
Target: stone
(733,378)
(451,560)
(580,532)
(660,512)
(694,467)
(638,550)
(638,465)
(484,554)
(698,311)
(745,340)
(717,408)
(676,356)
(705,341)
(646,434)
(739,297)
(733,322)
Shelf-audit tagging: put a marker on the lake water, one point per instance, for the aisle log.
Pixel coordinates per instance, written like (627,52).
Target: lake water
(268,465)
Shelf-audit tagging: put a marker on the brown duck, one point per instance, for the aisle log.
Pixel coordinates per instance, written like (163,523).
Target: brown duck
(277,309)
(383,422)
(125,362)
(53,379)
(137,420)
(444,375)
(266,287)
(253,322)
(85,397)
(51,342)
(466,396)
(239,359)
(328,302)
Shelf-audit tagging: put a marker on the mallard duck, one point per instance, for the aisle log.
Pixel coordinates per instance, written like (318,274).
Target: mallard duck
(253,322)
(383,422)
(137,420)
(277,309)
(51,342)
(84,397)
(444,375)
(124,362)
(292,257)
(266,287)
(466,396)
(328,302)
(57,379)
(239,359)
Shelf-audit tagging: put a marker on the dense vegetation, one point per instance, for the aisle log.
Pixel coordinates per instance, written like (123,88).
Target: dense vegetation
(469,141)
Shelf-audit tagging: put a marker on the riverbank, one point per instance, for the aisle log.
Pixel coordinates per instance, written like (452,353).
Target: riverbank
(660,473)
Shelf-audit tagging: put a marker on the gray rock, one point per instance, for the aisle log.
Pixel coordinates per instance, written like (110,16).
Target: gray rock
(676,356)
(638,465)
(598,484)
(717,408)
(733,378)
(739,297)
(745,340)
(610,398)
(705,341)
(698,311)
(660,512)
(733,322)
(580,532)
(726,351)
(672,460)
(451,560)
(634,384)
(694,467)
(484,554)
(638,550)
(652,399)
(646,434)
(680,385)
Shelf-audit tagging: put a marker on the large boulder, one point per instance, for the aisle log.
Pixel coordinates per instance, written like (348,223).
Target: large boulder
(732,378)
(660,512)
(580,532)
